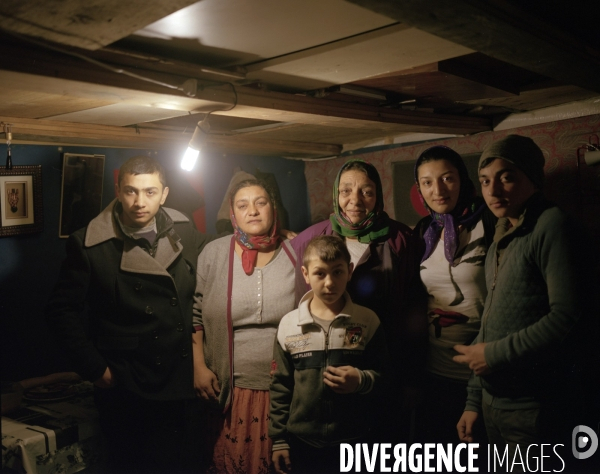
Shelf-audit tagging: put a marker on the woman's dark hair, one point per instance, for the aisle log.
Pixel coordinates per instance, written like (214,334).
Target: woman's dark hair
(440,152)
(248,183)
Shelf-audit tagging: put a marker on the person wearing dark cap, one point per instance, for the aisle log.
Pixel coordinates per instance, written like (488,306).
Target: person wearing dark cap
(523,382)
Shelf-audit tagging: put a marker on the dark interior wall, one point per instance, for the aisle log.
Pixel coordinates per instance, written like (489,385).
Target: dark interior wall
(29,264)
(559,141)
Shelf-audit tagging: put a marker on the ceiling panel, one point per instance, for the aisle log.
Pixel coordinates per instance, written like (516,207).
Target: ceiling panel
(348,60)
(118,114)
(102,93)
(233,32)
(32,104)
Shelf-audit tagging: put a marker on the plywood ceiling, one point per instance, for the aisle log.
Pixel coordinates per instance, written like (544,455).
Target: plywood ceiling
(281,78)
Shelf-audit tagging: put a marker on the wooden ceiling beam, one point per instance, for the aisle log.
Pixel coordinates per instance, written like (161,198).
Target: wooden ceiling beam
(503,31)
(90,25)
(66,133)
(251,102)
(157,63)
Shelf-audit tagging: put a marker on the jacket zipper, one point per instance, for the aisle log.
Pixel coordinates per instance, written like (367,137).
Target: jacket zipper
(326,395)
(497,264)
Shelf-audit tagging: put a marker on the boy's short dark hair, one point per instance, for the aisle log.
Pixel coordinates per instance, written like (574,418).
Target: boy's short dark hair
(142,165)
(326,247)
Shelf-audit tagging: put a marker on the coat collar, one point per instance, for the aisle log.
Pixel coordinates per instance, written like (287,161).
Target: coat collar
(134,259)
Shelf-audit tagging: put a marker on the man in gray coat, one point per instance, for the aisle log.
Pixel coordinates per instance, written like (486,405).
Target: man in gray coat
(526,379)
(132,272)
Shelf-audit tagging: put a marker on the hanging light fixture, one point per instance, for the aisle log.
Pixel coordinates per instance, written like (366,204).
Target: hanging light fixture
(202,128)
(191,154)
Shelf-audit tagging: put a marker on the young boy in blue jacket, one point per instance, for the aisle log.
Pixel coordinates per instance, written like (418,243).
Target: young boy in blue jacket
(329,355)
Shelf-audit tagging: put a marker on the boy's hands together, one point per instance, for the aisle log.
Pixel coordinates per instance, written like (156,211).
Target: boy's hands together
(344,379)
(281,461)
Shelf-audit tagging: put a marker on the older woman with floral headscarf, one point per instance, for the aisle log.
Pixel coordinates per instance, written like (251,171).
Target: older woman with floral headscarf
(245,285)
(454,239)
(385,277)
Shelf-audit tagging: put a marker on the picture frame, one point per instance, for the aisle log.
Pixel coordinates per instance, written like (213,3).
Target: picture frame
(21,205)
(81,191)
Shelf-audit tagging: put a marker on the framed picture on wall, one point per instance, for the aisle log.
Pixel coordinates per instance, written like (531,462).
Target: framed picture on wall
(408,207)
(81,191)
(21,200)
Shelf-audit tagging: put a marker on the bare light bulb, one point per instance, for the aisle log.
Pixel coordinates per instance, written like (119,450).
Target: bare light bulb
(189,159)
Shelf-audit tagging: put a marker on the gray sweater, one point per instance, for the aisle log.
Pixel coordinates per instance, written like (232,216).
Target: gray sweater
(241,349)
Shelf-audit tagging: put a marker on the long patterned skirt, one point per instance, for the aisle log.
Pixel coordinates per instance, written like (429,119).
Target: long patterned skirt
(240,440)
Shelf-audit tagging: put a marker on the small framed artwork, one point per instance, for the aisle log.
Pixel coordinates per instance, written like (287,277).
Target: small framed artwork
(81,193)
(21,208)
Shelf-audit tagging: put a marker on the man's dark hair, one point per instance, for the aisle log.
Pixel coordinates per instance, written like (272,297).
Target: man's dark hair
(142,165)
(326,247)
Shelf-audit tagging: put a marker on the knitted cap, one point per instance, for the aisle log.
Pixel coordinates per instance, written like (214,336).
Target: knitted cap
(521,152)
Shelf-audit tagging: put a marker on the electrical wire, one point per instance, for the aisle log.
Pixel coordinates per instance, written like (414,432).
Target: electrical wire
(205,119)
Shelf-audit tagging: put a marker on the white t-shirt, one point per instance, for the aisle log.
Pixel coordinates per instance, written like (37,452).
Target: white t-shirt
(356,249)
(459,289)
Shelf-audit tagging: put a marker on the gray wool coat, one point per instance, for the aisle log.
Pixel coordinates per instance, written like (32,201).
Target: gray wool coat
(117,306)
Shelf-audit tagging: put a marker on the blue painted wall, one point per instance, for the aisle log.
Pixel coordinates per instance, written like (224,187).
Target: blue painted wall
(29,264)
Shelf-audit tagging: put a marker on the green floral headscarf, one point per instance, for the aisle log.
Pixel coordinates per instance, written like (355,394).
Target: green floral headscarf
(376,223)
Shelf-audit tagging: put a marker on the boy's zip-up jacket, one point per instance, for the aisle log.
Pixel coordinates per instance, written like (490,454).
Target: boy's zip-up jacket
(301,403)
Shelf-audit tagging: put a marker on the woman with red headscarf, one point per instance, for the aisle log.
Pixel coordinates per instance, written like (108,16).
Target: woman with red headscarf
(245,285)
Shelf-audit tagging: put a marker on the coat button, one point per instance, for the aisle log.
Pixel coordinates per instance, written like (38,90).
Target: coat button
(157,360)
(184,353)
(149,310)
(155,334)
(138,286)
(180,327)
(174,302)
